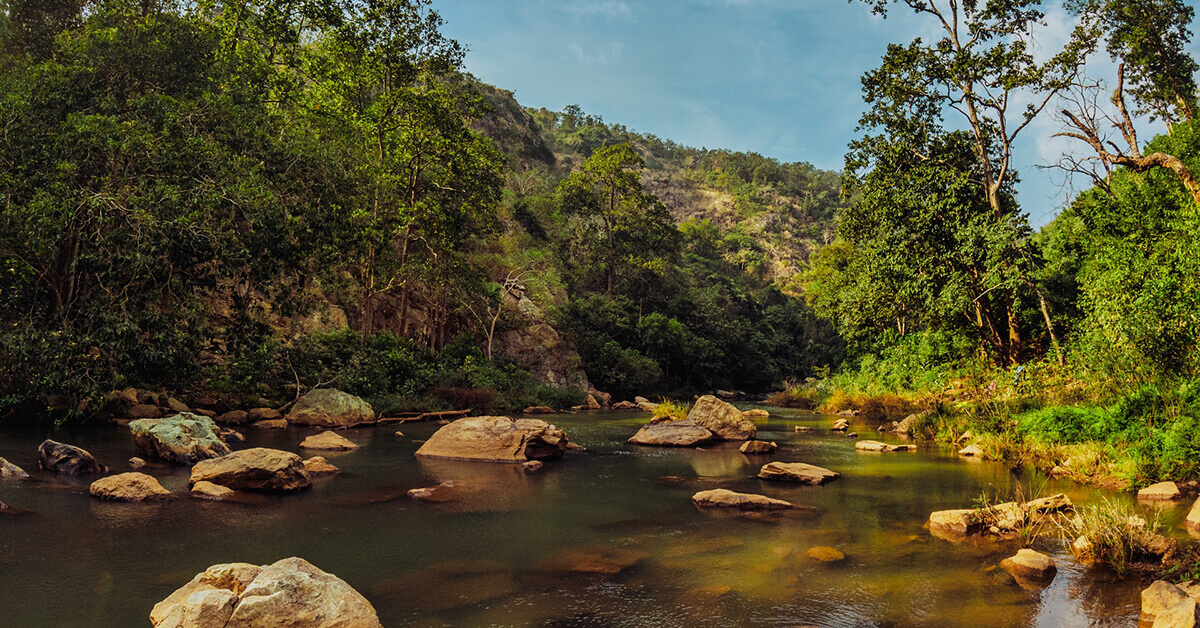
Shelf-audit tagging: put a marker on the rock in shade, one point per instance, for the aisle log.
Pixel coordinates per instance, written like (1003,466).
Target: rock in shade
(11,471)
(1193,518)
(971,451)
(263,414)
(1029,565)
(797,472)
(1159,597)
(672,434)
(136,463)
(725,498)
(825,554)
(318,465)
(128,487)
(60,458)
(874,445)
(270,424)
(291,592)
(326,407)
(233,417)
(329,441)
(722,419)
(538,410)
(207,490)
(1160,491)
(257,469)
(758,447)
(496,439)
(144,411)
(182,439)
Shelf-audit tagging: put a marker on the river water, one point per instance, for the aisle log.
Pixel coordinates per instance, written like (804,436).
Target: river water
(497,558)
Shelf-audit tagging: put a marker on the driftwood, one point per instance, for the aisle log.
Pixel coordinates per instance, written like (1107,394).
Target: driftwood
(414,417)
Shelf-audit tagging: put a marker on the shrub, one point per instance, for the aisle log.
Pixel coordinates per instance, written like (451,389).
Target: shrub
(669,410)
(793,398)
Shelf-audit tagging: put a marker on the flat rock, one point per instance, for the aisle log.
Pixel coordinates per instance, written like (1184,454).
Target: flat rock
(1029,565)
(797,472)
(263,414)
(804,429)
(257,469)
(128,487)
(326,407)
(495,439)
(724,498)
(207,490)
(825,554)
(597,560)
(1161,491)
(874,445)
(290,593)
(1159,597)
(329,441)
(269,424)
(68,459)
(758,447)
(538,410)
(10,471)
(183,439)
(757,413)
(672,434)
(318,465)
(722,419)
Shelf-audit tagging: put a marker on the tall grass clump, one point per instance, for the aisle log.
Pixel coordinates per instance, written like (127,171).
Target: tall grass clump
(1117,535)
(669,410)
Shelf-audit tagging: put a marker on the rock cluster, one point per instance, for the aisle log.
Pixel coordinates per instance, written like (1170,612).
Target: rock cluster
(999,520)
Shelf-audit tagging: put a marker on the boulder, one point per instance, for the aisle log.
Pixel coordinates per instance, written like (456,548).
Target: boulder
(722,419)
(971,451)
(1160,491)
(495,439)
(176,405)
(183,439)
(291,592)
(233,417)
(797,472)
(874,445)
(724,498)
(144,411)
(1159,597)
(257,469)
(329,441)
(207,490)
(1193,518)
(1082,549)
(538,410)
(672,434)
(909,424)
(326,407)
(318,465)
(640,400)
(1182,615)
(758,447)
(263,414)
(128,487)
(270,424)
(11,471)
(825,554)
(1029,565)
(962,522)
(68,459)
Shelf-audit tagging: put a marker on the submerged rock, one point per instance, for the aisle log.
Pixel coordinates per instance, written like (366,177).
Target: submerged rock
(182,439)
(797,472)
(257,469)
(724,498)
(874,445)
(758,447)
(128,487)
(452,584)
(328,441)
(599,560)
(207,490)
(672,434)
(722,419)
(326,407)
(1029,565)
(11,471)
(757,413)
(291,592)
(1160,491)
(825,554)
(67,459)
(496,439)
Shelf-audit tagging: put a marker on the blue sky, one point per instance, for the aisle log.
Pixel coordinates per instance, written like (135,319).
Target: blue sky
(778,77)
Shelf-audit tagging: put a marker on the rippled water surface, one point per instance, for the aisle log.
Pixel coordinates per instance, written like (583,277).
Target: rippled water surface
(497,558)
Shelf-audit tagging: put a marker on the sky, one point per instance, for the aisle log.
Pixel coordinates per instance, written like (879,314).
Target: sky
(778,77)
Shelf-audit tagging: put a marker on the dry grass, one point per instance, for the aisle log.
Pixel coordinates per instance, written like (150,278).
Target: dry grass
(1118,534)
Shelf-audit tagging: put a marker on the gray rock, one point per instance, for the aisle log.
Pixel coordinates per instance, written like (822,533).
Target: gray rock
(67,459)
(183,439)
(326,407)
(722,419)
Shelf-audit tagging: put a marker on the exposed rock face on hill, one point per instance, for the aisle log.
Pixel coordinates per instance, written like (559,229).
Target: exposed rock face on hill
(538,346)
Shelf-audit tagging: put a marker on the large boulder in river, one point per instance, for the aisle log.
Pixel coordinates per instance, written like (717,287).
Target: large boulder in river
(725,498)
(68,459)
(257,469)
(496,439)
(672,434)
(185,438)
(722,419)
(797,472)
(326,407)
(290,593)
(128,487)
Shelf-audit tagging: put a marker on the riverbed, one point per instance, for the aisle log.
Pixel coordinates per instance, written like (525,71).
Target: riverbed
(511,553)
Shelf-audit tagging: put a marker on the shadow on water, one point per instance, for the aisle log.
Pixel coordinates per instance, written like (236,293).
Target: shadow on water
(603,538)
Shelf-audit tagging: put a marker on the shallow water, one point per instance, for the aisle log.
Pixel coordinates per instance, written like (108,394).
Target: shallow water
(497,558)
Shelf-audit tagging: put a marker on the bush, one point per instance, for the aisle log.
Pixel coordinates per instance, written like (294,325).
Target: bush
(793,397)
(669,410)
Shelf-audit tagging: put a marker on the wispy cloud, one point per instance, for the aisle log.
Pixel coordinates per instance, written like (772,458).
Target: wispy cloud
(606,9)
(599,56)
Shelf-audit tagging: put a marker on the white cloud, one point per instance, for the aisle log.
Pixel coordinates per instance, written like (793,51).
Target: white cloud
(606,9)
(600,56)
